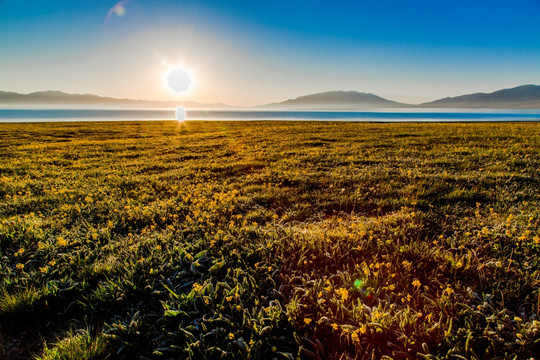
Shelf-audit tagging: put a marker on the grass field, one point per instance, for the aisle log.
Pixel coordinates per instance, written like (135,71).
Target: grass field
(261,240)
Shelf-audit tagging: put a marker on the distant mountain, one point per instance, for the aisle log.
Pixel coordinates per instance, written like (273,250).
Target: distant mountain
(336,100)
(525,97)
(62,99)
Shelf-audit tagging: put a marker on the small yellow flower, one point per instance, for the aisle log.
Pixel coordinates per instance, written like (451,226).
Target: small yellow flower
(197,287)
(231,336)
(449,291)
(362,329)
(416,283)
(44,269)
(307,321)
(335,326)
(354,337)
(343,293)
(391,287)
(19,266)
(61,241)
(229,298)
(459,264)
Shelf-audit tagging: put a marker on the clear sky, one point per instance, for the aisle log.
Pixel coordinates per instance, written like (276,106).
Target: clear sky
(251,52)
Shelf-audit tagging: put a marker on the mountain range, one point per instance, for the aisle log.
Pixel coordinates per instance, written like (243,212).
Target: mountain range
(526,96)
(336,100)
(61,99)
(522,97)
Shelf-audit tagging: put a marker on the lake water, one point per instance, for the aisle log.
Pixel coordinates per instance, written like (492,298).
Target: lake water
(394,115)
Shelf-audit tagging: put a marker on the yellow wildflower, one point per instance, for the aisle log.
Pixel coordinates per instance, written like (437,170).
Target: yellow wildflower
(307,321)
(231,336)
(416,283)
(362,329)
(343,293)
(197,287)
(19,266)
(61,241)
(335,326)
(354,336)
(449,291)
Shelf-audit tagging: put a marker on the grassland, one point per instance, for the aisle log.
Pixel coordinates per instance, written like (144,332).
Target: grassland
(261,240)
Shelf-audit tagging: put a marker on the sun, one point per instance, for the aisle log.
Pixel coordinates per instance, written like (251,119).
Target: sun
(178,80)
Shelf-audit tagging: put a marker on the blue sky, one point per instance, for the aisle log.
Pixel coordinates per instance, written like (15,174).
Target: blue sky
(254,52)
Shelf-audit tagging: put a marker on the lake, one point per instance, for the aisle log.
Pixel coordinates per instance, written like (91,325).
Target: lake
(394,115)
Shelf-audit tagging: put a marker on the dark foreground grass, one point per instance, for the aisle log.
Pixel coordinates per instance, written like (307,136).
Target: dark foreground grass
(260,240)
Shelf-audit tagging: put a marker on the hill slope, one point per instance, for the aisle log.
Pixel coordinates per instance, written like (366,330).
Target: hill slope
(62,99)
(333,100)
(526,96)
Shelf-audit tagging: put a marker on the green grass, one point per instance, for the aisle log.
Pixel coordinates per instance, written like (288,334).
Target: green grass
(258,240)
(78,345)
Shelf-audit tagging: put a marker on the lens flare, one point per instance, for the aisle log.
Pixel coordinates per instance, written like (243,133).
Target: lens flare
(119,9)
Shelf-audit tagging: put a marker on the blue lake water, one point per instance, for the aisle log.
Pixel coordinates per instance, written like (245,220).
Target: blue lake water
(403,115)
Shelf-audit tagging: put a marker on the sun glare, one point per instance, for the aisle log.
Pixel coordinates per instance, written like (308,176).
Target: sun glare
(178,80)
